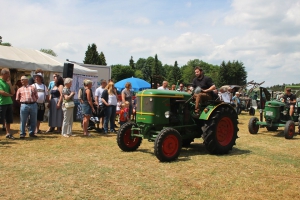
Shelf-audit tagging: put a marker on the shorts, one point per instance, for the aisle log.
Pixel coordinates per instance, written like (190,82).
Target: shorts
(86,109)
(6,114)
(41,111)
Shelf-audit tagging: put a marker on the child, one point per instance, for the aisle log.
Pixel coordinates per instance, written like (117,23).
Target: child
(127,110)
(123,114)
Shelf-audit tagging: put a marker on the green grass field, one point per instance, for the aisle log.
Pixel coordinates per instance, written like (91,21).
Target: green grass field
(262,166)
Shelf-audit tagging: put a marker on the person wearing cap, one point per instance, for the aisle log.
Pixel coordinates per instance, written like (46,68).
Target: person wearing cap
(236,101)
(6,109)
(27,95)
(290,99)
(43,98)
(207,87)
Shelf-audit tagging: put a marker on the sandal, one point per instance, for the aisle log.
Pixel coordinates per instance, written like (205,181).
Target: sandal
(51,129)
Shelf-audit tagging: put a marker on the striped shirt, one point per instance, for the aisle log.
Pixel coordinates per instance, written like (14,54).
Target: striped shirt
(27,94)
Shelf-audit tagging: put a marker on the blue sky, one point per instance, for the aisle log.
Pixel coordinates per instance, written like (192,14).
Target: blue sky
(264,35)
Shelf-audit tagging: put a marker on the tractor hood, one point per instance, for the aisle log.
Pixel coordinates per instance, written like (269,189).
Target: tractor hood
(163,94)
(274,103)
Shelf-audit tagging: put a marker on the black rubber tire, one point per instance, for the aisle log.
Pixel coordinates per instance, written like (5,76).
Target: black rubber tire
(252,111)
(187,142)
(272,128)
(167,145)
(252,126)
(124,139)
(221,133)
(289,129)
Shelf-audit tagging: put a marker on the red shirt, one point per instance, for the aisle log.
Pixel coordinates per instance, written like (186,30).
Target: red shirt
(27,94)
(123,115)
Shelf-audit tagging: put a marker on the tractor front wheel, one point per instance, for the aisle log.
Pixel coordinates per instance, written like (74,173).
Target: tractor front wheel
(221,133)
(252,126)
(167,145)
(289,129)
(252,111)
(124,139)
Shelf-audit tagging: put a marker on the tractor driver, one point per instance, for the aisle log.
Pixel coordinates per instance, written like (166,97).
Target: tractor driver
(290,99)
(206,85)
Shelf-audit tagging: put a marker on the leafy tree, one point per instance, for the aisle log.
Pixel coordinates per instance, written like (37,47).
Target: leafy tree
(92,55)
(138,74)
(175,74)
(140,63)
(188,73)
(6,44)
(120,72)
(147,69)
(232,73)
(102,59)
(49,51)
(157,71)
(131,63)
(167,71)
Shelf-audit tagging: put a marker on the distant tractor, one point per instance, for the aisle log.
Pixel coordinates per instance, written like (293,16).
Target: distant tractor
(276,114)
(167,118)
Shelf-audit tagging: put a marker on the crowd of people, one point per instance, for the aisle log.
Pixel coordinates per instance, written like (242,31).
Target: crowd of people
(31,97)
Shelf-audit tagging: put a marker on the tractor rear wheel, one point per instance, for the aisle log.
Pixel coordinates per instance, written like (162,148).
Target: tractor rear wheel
(124,139)
(221,133)
(289,129)
(252,126)
(252,111)
(167,145)
(272,128)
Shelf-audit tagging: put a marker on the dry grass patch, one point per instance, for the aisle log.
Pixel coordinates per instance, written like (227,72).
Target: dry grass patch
(262,166)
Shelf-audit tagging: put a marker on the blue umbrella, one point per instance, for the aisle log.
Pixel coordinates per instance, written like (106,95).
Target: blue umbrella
(136,83)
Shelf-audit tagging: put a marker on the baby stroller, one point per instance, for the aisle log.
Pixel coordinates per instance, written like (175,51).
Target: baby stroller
(93,122)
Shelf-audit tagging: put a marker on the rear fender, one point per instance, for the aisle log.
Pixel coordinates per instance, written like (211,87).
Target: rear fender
(208,110)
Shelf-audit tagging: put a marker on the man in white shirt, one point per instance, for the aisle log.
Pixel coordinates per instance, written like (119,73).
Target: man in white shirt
(98,101)
(42,98)
(225,96)
(164,86)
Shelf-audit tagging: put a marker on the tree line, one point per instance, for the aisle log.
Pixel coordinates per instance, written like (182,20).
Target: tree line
(154,71)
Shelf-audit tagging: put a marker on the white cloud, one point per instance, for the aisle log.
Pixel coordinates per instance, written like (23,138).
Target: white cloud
(264,35)
(142,21)
(67,47)
(181,24)
(161,23)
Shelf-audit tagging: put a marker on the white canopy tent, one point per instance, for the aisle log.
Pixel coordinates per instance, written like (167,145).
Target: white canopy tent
(29,59)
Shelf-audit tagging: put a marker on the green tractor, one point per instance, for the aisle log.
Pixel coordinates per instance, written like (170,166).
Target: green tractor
(167,119)
(276,114)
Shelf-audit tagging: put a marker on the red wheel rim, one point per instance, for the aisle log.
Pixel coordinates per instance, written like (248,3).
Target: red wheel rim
(128,140)
(291,130)
(225,131)
(170,145)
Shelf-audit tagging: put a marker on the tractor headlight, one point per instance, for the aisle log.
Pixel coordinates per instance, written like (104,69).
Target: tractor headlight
(284,112)
(150,99)
(167,114)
